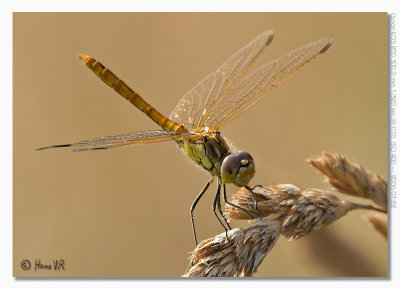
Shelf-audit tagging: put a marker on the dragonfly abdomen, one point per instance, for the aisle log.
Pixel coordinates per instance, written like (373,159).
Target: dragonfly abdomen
(124,90)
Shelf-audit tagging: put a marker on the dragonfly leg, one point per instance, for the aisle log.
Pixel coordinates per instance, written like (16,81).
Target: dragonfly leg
(217,196)
(236,206)
(194,206)
(257,186)
(255,201)
(220,211)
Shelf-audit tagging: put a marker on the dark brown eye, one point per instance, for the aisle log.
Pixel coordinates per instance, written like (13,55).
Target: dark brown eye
(230,164)
(244,156)
(238,168)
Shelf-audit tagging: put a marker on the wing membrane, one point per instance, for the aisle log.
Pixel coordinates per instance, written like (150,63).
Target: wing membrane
(241,95)
(133,138)
(193,106)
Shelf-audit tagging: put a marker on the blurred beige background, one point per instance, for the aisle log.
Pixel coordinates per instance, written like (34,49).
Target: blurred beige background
(125,212)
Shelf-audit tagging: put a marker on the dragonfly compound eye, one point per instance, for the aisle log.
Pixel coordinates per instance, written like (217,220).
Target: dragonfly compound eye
(244,156)
(229,168)
(246,169)
(238,168)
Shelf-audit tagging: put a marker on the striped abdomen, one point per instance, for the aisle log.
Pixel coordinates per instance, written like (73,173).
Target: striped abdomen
(119,86)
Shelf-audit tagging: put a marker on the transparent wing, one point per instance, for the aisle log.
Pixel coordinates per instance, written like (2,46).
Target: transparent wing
(241,95)
(133,138)
(193,106)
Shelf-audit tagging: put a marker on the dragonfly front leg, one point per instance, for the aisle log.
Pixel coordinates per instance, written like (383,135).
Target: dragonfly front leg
(257,186)
(255,201)
(236,206)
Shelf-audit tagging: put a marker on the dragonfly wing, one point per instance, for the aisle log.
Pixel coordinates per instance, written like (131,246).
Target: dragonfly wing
(241,95)
(193,106)
(133,138)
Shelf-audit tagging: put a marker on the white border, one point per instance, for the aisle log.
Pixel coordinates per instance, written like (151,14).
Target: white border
(8,281)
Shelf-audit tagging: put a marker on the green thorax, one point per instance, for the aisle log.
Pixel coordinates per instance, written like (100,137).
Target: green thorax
(207,152)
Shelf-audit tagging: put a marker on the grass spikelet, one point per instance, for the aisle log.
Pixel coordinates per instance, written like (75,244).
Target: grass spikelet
(379,222)
(288,211)
(301,211)
(350,178)
(240,257)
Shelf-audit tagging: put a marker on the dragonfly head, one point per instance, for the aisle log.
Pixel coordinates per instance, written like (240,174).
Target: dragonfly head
(238,168)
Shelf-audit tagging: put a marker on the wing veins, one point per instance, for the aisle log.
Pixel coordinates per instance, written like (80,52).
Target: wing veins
(269,85)
(133,138)
(234,80)
(305,53)
(197,103)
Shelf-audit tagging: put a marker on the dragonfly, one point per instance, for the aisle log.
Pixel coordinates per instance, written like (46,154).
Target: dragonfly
(196,122)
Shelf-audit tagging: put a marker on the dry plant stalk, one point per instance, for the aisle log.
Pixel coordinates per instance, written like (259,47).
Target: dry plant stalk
(286,211)
(350,178)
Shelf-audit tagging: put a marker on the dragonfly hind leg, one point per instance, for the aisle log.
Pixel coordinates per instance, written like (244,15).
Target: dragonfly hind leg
(216,201)
(220,211)
(194,206)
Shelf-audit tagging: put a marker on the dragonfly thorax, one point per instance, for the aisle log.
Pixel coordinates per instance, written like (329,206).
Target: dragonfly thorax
(218,156)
